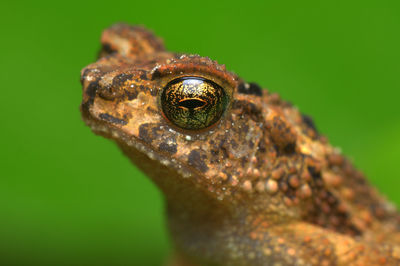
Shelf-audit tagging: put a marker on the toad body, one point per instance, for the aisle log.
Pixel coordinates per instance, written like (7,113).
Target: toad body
(246,177)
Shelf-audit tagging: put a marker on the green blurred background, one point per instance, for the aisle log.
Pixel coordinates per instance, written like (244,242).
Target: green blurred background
(68,197)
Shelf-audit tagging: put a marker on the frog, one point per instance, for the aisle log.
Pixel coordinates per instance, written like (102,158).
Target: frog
(247,179)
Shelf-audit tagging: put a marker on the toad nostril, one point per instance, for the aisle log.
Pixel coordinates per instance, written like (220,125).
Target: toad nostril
(112,87)
(108,92)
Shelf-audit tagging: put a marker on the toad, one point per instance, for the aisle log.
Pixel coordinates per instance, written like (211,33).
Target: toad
(247,178)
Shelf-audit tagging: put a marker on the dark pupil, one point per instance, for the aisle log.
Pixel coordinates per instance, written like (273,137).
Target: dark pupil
(191,103)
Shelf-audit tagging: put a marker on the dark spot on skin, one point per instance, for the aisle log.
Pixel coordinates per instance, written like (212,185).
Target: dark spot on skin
(282,135)
(251,144)
(214,152)
(131,95)
(156,74)
(252,89)
(255,89)
(120,79)
(143,76)
(234,145)
(229,178)
(85,107)
(112,119)
(241,88)
(332,200)
(170,148)
(314,174)
(290,148)
(222,147)
(309,122)
(221,143)
(153,92)
(248,108)
(354,230)
(91,90)
(144,132)
(107,49)
(143,88)
(243,161)
(261,146)
(195,160)
(224,153)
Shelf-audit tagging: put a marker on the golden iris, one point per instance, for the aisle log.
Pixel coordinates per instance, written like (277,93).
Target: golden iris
(193,102)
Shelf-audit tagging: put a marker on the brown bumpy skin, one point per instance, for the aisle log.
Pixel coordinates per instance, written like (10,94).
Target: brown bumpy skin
(260,187)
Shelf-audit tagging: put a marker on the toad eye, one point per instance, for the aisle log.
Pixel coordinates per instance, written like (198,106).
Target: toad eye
(193,103)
